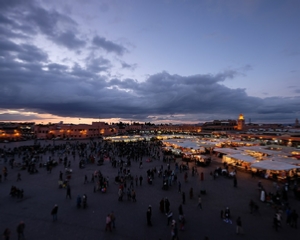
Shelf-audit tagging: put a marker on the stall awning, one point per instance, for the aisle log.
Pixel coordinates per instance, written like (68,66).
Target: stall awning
(201,156)
(206,145)
(242,157)
(273,165)
(227,150)
(292,161)
(259,149)
(184,143)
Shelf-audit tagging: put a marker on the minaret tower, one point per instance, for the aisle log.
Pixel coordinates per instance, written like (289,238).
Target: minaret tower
(241,122)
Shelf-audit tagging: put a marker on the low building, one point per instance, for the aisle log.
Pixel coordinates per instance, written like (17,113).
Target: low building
(10,131)
(73,131)
(220,125)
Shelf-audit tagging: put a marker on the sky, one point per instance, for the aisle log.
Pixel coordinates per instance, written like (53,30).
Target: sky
(158,61)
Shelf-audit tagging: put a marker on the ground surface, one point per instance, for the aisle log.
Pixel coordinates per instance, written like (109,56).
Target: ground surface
(42,192)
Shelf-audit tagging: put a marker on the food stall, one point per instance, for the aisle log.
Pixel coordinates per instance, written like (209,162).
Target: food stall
(241,161)
(202,160)
(274,169)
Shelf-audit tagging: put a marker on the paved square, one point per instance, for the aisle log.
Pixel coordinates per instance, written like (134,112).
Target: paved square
(41,192)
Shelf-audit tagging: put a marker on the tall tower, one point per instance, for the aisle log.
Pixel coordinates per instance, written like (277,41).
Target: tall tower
(241,122)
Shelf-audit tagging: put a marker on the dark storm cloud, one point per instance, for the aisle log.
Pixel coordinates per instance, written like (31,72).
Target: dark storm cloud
(18,117)
(128,84)
(80,72)
(8,4)
(24,52)
(31,53)
(56,67)
(128,66)
(59,28)
(5,20)
(294,89)
(9,33)
(109,46)
(8,46)
(25,19)
(69,40)
(193,94)
(81,92)
(279,105)
(45,21)
(97,65)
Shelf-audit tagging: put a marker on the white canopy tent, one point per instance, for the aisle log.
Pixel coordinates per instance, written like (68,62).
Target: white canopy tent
(273,165)
(259,149)
(244,158)
(184,144)
(206,144)
(292,161)
(227,150)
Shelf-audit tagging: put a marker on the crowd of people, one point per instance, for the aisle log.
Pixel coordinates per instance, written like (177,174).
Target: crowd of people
(127,159)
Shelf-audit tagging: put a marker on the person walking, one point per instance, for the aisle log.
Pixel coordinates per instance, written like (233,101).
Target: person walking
(275,222)
(234,181)
(20,230)
(107,181)
(162,205)
(19,177)
(141,180)
(167,205)
(182,222)
(183,197)
(191,193)
(239,229)
(136,180)
(227,215)
(180,210)
(185,177)
(6,234)
(179,186)
(113,219)
(169,217)
(54,212)
(120,193)
(133,195)
(149,215)
(85,179)
(174,230)
(131,184)
(78,201)
(4,170)
(68,192)
(128,194)
(108,223)
(199,202)
(125,184)
(251,206)
(60,176)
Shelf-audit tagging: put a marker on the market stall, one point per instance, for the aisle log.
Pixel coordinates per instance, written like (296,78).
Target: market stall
(202,160)
(239,160)
(288,160)
(226,151)
(274,169)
